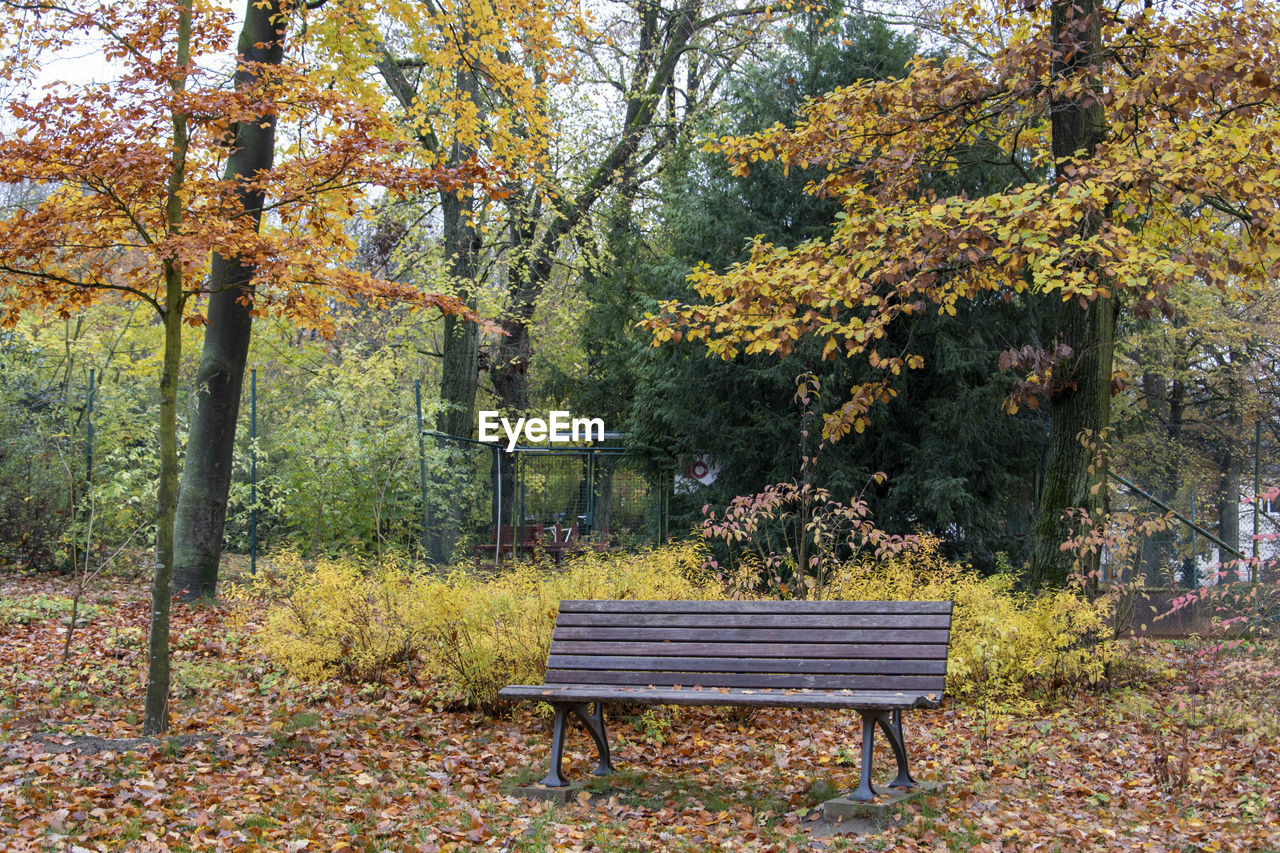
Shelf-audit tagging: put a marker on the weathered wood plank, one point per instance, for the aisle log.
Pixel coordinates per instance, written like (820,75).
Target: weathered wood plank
(833,607)
(756,635)
(719,621)
(859,651)
(624,663)
(754,680)
(868,700)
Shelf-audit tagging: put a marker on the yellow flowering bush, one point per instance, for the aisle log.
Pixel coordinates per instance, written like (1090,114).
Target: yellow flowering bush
(472,633)
(1004,644)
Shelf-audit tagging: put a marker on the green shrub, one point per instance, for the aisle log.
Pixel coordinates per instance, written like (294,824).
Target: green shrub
(35,484)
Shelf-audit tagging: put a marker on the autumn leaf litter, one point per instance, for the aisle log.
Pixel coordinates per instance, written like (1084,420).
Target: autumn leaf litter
(1179,755)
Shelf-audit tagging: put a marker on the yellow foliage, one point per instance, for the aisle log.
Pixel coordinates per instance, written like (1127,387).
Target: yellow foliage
(1004,644)
(338,618)
(473,634)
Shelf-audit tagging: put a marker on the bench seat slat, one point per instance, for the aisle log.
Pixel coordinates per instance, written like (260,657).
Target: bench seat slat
(752,680)
(746,664)
(844,607)
(756,635)
(869,700)
(721,621)
(851,651)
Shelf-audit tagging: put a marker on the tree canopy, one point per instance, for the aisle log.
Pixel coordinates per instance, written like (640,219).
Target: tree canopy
(1154,127)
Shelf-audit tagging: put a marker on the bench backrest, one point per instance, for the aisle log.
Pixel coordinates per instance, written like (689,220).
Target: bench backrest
(816,645)
(507,535)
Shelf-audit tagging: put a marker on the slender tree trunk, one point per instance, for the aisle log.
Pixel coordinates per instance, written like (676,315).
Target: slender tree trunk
(206,475)
(1081,401)
(1166,567)
(156,710)
(602,514)
(460,367)
(1166,402)
(1232,442)
(156,718)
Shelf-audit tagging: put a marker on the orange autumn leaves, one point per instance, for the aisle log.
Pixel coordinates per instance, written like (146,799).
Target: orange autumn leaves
(98,155)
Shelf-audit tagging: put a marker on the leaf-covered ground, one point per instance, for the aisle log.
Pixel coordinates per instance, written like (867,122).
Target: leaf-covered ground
(1182,754)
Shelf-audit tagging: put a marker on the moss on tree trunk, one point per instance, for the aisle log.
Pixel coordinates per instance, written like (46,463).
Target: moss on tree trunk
(206,475)
(1080,400)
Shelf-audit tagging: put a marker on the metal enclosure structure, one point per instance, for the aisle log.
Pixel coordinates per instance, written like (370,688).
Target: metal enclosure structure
(590,494)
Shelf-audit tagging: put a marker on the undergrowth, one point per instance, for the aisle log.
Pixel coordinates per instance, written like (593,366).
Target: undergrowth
(1007,647)
(471,634)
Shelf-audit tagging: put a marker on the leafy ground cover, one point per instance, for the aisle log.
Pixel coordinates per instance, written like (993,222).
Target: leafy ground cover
(1182,753)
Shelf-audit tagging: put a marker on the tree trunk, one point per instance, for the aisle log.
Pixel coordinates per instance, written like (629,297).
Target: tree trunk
(1070,474)
(206,475)
(602,503)
(1167,402)
(155,719)
(460,364)
(156,715)
(510,368)
(1229,499)
(1081,399)
(660,49)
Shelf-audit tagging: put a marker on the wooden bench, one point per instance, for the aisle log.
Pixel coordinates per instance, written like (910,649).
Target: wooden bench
(551,541)
(879,658)
(508,544)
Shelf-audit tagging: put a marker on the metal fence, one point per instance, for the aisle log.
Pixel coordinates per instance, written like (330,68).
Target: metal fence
(589,494)
(311,473)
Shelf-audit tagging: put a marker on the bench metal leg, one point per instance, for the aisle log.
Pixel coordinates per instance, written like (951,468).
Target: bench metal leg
(865,792)
(553,779)
(594,723)
(893,731)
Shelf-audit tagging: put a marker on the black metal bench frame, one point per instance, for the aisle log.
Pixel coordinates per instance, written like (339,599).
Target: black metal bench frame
(877,658)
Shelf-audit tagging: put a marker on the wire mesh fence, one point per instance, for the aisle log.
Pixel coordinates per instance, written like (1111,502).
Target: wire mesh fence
(325,468)
(329,467)
(1179,542)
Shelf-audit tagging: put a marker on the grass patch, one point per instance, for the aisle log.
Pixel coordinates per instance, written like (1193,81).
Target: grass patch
(22,610)
(302,720)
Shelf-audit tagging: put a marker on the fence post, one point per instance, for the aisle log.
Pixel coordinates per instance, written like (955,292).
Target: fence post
(422,466)
(88,436)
